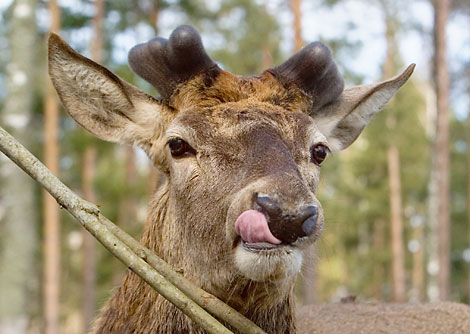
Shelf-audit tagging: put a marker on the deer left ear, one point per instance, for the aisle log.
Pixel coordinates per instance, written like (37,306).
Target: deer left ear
(102,103)
(342,121)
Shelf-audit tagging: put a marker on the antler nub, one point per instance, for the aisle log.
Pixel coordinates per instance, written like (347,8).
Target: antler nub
(167,63)
(313,70)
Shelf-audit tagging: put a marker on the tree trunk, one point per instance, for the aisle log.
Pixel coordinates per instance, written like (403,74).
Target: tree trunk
(267,58)
(88,175)
(153,173)
(298,41)
(393,157)
(153,15)
(88,251)
(379,245)
(418,270)
(432,241)
(128,204)
(18,217)
(398,261)
(441,11)
(467,138)
(51,209)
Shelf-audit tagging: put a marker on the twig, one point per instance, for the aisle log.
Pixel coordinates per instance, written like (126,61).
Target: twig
(156,272)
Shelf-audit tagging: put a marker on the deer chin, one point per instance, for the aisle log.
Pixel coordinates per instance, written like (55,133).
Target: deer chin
(262,262)
(258,254)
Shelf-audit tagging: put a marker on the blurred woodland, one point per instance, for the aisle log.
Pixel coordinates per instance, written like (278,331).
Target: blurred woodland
(397,202)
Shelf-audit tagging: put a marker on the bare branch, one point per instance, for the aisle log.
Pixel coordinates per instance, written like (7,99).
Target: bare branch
(157,273)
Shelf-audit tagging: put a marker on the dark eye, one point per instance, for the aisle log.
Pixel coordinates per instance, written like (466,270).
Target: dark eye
(179,147)
(318,153)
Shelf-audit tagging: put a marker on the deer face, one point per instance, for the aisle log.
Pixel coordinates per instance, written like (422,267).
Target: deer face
(242,155)
(253,162)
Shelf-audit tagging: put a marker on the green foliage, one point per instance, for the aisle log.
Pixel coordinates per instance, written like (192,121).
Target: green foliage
(73,20)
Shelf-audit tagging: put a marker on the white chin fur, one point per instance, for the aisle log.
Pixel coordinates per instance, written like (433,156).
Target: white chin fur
(268,266)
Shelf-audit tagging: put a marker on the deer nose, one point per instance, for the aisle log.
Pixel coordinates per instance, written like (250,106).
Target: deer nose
(288,227)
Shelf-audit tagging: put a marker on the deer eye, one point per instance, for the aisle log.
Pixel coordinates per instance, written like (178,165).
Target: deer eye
(318,153)
(179,148)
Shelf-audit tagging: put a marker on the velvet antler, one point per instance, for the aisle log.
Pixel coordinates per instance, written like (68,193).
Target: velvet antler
(167,63)
(313,70)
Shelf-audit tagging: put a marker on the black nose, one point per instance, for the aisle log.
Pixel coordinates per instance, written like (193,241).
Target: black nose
(288,227)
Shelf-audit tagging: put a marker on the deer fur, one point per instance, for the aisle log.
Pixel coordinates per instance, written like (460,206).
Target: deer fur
(361,317)
(252,146)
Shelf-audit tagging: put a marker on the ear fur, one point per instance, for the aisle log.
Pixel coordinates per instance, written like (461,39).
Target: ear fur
(102,103)
(344,119)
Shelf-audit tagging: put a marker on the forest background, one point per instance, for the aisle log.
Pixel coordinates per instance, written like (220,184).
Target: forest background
(397,201)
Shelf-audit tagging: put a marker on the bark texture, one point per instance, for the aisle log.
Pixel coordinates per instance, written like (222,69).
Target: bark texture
(51,281)
(441,12)
(398,254)
(297,24)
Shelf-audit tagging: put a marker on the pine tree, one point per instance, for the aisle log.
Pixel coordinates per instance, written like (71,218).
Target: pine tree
(393,158)
(441,145)
(51,209)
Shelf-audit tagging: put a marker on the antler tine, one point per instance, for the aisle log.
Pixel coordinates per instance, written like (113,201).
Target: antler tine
(313,70)
(167,63)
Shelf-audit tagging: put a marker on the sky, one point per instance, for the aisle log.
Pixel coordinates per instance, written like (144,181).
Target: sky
(358,20)
(320,22)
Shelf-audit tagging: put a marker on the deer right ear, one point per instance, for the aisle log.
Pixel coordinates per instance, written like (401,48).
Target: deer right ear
(342,121)
(103,104)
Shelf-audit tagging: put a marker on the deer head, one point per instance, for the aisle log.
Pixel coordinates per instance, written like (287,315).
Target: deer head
(241,155)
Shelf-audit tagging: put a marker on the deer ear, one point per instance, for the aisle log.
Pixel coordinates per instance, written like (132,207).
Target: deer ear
(99,101)
(342,121)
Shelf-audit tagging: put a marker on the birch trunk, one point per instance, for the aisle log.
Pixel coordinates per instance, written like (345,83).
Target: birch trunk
(18,217)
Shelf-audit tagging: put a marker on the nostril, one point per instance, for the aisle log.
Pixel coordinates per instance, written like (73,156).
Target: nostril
(272,208)
(309,219)
(310,211)
(309,225)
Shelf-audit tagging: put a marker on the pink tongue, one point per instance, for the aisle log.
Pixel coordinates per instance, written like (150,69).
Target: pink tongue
(252,227)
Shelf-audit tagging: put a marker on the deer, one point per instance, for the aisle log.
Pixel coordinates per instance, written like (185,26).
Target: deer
(235,210)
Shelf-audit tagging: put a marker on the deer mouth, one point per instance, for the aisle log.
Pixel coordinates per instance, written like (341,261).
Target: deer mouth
(253,230)
(259,246)
(259,255)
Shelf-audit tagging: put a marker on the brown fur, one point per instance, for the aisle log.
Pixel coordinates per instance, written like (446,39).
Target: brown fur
(353,318)
(251,135)
(207,118)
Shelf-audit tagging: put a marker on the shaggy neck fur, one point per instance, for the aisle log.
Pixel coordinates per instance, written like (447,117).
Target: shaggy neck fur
(137,308)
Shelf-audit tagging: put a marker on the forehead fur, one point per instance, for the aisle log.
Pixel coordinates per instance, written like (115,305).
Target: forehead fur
(237,121)
(214,88)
